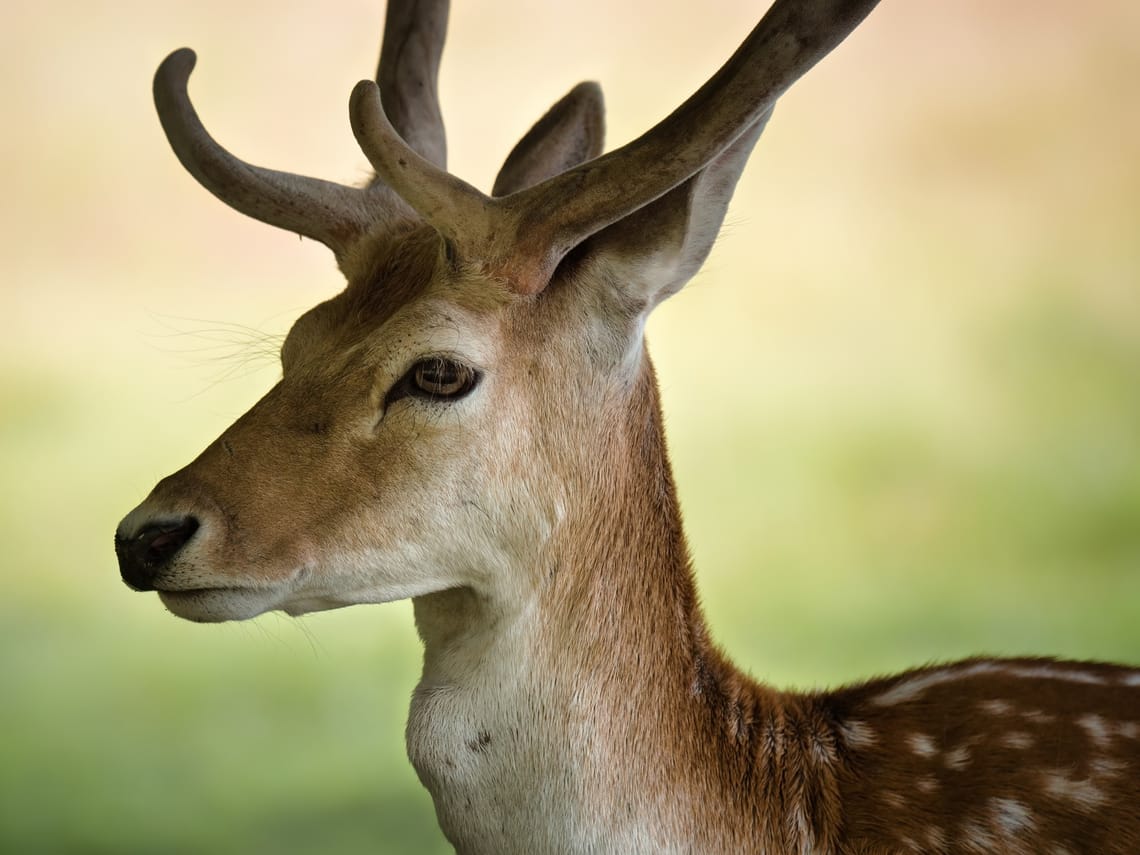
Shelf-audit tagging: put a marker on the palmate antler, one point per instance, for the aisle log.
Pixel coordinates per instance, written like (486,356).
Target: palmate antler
(520,237)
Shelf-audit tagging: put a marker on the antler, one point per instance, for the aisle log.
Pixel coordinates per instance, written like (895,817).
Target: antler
(408,75)
(331,213)
(523,236)
(334,214)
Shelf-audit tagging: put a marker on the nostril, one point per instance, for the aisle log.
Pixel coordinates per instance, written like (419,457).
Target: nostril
(144,554)
(157,543)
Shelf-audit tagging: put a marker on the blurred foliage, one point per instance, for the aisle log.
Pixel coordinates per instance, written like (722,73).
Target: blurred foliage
(903,399)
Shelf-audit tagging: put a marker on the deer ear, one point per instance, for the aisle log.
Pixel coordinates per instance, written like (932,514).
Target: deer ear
(572,132)
(651,253)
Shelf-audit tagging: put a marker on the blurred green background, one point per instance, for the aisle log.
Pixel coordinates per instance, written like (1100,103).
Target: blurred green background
(903,397)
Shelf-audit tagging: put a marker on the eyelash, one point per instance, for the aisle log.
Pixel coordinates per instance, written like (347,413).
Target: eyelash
(437,379)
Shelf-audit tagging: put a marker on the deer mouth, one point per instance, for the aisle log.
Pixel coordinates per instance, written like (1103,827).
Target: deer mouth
(218,604)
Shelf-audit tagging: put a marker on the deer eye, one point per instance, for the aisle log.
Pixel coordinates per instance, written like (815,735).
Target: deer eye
(443,378)
(436,378)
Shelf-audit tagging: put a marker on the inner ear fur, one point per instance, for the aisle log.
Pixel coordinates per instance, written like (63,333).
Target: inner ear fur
(651,254)
(571,132)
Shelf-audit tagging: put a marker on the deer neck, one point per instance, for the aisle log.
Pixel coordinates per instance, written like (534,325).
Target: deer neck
(565,721)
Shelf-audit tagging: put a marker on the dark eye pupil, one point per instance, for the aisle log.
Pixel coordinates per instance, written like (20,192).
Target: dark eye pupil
(442,378)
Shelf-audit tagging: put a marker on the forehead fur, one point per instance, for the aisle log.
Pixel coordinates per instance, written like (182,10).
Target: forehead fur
(395,271)
(407,263)
(394,268)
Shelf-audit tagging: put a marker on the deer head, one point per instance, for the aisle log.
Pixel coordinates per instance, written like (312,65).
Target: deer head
(482,379)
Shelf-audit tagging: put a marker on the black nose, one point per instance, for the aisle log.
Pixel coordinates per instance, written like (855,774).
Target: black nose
(150,549)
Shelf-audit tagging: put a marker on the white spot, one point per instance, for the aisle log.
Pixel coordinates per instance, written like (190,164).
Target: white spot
(1107,767)
(1054,672)
(1096,728)
(1039,717)
(1132,679)
(1079,790)
(894,799)
(927,783)
(922,745)
(957,758)
(995,707)
(856,734)
(914,687)
(1011,816)
(1128,729)
(1017,739)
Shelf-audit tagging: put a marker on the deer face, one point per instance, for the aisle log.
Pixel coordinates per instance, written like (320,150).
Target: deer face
(405,450)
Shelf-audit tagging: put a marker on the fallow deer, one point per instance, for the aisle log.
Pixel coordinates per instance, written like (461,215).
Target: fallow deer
(474,423)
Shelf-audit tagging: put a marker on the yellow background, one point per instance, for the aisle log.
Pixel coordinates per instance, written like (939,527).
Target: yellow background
(903,397)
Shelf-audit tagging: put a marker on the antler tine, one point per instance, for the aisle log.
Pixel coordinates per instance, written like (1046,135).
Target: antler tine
(331,213)
(477,227)
(414,32)
(792,37)
(453,207)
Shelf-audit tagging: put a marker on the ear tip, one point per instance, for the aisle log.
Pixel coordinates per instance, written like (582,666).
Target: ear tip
(590,104)
(586,105)
(588,93)
(588,88)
